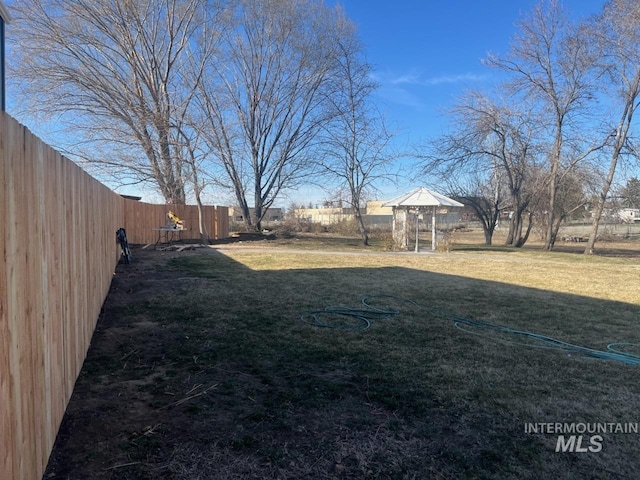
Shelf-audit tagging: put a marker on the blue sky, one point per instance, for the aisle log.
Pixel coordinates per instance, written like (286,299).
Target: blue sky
(426,53)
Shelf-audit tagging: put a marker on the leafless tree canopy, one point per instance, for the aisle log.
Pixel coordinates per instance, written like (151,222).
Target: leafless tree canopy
(115,70)
(255,95)
(616,36)
(161,88)
(548,136)
(265,99)
(550,62)
(354,148)
(494,146)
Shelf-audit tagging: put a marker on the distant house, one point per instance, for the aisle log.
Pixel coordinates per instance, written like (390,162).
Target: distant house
(629,215)
(4,19)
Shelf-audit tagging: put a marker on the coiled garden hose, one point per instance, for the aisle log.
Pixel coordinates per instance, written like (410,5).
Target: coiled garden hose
(359,319)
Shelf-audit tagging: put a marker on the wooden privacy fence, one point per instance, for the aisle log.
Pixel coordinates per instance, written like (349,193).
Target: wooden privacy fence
(142,218)
(57,257)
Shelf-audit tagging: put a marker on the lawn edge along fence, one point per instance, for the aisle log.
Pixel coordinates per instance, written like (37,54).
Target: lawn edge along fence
(58,255)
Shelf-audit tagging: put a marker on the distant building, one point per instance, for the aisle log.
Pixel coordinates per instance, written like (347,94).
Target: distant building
(272,215)
(324,216)
(375,215)
(629,215)
(4,19)
(374,207)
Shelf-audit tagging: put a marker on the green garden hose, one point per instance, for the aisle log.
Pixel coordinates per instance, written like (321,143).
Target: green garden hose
(359,319)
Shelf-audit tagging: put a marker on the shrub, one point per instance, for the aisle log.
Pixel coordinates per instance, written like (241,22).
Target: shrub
(345,227)
(384,237)
(445,241)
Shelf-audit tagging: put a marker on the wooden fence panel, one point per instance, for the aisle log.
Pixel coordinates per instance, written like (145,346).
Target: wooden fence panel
(57,257)
(20,349)
(58,253)
(35,232)
(9,413)
(141,219)
(22,334)
(222,223)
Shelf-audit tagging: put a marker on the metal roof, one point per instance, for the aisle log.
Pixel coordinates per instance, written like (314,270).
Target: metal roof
(422,197)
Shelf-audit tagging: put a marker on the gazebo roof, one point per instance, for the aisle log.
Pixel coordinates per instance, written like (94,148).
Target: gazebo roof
(422,197)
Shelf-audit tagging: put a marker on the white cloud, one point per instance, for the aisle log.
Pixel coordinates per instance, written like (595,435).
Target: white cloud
(420,80)
(411,79)
(402,96)
(448,79)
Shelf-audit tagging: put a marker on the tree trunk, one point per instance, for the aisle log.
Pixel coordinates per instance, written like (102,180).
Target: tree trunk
(509,240)
(488,236)
(514,238)
(555,230)
(361,226)
(523,239)
(553,188)
(258,215)
(488,225)
(258,204)
(204,235)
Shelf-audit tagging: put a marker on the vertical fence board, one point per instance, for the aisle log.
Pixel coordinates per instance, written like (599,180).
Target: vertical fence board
(18,304)
(38,290)
(7,387)
(68,278)
(53,324)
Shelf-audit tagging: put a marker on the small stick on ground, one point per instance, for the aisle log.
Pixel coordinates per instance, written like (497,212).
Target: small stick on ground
(186,399)
(122,465)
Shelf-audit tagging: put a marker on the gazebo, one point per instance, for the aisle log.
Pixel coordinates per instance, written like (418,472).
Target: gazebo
(418,200)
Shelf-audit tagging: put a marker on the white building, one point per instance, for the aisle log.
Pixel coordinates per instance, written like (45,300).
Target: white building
(629,215)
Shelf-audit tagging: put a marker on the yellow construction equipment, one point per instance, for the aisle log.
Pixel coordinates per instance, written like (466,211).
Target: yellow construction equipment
(174,221)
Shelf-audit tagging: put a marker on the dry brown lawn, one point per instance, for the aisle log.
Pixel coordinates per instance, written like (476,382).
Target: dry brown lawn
(201,367)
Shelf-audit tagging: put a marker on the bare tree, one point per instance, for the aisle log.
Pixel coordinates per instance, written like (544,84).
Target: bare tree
(630,193)
(550,64)
(484,194)
(575,191)
(354,149)
(617,34)
(114,72)
(265,96)
(492,140)
(194,160)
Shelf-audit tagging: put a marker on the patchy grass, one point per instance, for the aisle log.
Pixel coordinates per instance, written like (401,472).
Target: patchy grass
(201,368)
